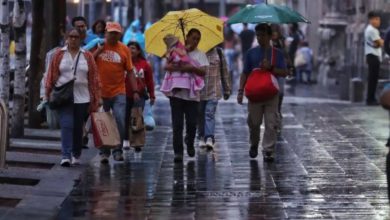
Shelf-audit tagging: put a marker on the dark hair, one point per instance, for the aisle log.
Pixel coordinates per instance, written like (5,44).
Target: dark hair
(264,28)
(136,44)
(373,14)
(78,18)
(100,21)
(193,30)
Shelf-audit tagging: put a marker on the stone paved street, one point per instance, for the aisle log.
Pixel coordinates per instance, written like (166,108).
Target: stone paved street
(330,164)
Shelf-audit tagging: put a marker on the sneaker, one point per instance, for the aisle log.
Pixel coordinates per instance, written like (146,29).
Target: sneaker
(202,144)
(209,143)
(178,158)
(126,145)
(268,157)
(104,159)
(118,157)
(65,163)
(253,151)
(75,161)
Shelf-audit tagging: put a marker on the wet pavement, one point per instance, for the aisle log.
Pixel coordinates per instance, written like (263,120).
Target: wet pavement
(330,164)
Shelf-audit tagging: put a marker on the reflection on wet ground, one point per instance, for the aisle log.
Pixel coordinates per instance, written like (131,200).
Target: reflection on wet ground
(330,164)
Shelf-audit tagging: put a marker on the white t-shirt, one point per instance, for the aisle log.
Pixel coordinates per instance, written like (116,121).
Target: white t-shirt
(201,58)
(371,34)
(67,65)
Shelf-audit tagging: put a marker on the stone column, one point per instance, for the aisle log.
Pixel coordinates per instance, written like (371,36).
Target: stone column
(331,55)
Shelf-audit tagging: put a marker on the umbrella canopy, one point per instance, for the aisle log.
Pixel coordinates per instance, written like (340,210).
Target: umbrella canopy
(179,23)
(267,13)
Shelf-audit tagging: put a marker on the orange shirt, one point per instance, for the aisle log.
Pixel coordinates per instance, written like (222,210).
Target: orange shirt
(112,63)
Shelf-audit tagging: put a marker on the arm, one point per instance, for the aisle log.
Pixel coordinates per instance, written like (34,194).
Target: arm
(130,71)
(226,80)
(240,95)
(200,71)
(150,83)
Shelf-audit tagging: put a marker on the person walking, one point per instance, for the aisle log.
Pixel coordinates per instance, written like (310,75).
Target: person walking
(217,85)
(114,63)
(372,49)
(182,105)
(73,63)
(247,37)
(260,57)
(144,76)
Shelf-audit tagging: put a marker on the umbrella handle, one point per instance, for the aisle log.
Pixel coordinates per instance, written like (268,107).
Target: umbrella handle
(181,23)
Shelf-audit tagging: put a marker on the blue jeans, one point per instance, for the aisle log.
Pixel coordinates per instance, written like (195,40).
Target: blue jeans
(207,118)
(72,119)
(118,106)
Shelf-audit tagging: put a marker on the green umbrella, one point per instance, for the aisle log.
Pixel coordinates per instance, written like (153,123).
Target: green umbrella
(267,13)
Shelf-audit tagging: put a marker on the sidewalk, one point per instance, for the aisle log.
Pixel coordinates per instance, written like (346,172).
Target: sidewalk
(330,164)
(34,186)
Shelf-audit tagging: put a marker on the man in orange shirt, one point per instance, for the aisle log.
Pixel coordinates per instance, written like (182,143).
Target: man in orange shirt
(114,62)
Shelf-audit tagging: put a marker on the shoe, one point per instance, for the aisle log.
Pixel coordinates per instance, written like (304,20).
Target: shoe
(253,151)
(268,157)
(65,163)
(75,161)
(209,143)
(178,158)
(202,144)
(137,149)
(190,151)
(126,145)
(104,159)
(118,157)
(85,142)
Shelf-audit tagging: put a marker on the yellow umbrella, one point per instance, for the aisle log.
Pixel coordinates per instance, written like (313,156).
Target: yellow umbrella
(179,23)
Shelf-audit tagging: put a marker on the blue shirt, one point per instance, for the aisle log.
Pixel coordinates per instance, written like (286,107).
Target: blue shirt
(255,55)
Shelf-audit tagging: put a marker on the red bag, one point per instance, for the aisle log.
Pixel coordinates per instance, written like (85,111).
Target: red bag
(261,85)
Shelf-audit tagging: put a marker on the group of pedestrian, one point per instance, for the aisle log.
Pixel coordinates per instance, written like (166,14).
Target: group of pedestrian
(112,75)
(118,77)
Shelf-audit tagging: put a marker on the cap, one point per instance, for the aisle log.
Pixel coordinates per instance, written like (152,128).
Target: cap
(113,27)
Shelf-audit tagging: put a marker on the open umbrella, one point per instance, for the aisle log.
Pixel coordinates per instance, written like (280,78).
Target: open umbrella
(179,23)
(267,13)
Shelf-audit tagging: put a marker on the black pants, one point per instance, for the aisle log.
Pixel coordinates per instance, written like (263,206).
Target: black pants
(181,108)
(373,75)
(81,116)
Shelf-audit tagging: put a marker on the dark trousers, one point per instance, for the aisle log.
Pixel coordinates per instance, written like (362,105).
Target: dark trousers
(373,75)
(181,108)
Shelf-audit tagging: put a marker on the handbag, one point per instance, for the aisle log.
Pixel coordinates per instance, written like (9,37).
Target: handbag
(63,95)
(105,130)
(261,84)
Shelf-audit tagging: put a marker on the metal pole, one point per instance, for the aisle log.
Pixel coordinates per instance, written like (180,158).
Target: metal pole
(3,133)
(222,8)
(82,7)
(112,10)
(91,12)
(120,11)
